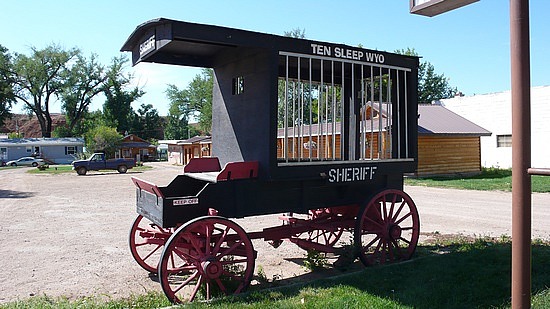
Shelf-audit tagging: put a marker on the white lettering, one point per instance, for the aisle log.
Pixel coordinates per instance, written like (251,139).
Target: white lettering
(147,46)
(186,201)
(345,53)
(350,174)
(320,49)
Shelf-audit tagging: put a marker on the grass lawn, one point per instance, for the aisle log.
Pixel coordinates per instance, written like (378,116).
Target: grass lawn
(489,179)
(460,273)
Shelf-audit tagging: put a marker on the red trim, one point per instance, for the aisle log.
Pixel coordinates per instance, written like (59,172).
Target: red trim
(239,170)
(147,186)
(198,165)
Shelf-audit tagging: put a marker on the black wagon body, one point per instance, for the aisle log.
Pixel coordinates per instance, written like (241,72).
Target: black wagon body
(298,126)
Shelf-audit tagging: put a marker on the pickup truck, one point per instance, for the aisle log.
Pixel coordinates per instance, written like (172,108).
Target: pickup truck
(98,162)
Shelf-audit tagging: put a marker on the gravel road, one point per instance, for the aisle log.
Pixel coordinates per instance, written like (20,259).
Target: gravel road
(68,235)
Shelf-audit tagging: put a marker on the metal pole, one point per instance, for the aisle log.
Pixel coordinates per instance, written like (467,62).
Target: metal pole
(521,154)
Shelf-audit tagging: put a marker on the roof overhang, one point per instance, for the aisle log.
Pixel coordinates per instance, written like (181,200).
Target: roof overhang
(432,8)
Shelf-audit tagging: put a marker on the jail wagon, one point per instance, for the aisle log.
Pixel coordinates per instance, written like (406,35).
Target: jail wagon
(318,132)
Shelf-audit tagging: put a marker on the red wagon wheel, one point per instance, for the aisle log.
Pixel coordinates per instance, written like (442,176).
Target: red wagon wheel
(387,228)
(211,256)
(146,242)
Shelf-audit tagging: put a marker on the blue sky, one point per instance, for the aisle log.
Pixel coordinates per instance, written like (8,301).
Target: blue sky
(470,45)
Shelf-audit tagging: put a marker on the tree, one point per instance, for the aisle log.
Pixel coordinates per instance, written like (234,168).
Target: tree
(83,81)
(296,33)
(38,79)
(199,96)
(146,123)
(177,126)
(431,86)
(7,97)
(103,138)
(117,109)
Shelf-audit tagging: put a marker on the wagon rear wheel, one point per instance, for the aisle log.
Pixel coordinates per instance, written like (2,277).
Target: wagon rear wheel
(387,228)
(324,232)
(210,256)
(146,242)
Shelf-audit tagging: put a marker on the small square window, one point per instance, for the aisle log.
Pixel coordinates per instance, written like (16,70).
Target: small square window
(504,140)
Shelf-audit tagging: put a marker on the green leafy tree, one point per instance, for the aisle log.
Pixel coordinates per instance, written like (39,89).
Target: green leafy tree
(84,80)
(177,126)
(39,79)
(147,123)
(199,96)
(117,109)
(431,86)
(103,138)
(7,97)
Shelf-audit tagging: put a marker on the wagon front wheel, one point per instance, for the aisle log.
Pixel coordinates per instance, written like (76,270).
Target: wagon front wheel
(387,228)
(205,258)
(146,242)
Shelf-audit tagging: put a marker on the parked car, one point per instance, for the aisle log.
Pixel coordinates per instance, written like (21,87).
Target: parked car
(98,162)
(26,161)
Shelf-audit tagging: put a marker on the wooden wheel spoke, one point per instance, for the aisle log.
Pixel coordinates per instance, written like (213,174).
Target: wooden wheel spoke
(230,249)
(403,218)
(221,240)
(397,248)
(208,233)
(390,214)
(186,282)
(221,285)
(372,242)
(195,242)
(399,210)
(196,289)
(183,267)
(183,255)
(152,252)
(374,222)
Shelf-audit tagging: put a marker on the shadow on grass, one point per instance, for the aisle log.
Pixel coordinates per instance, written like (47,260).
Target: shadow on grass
(467,276)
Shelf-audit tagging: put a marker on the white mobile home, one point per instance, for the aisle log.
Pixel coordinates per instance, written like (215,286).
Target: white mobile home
(52,150)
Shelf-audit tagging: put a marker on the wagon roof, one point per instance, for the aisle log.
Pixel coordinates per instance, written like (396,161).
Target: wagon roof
(169,41)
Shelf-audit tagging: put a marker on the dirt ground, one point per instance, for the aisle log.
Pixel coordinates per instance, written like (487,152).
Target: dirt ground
(68,235)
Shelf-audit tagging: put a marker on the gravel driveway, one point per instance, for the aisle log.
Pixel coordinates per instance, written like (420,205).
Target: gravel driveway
(68,235)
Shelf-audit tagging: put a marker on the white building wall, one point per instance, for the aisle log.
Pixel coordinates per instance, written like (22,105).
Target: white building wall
(494,113)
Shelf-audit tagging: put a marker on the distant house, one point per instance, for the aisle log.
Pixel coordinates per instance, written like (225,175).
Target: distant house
(181,151)
(447,143)
(52,150)
(135,147)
